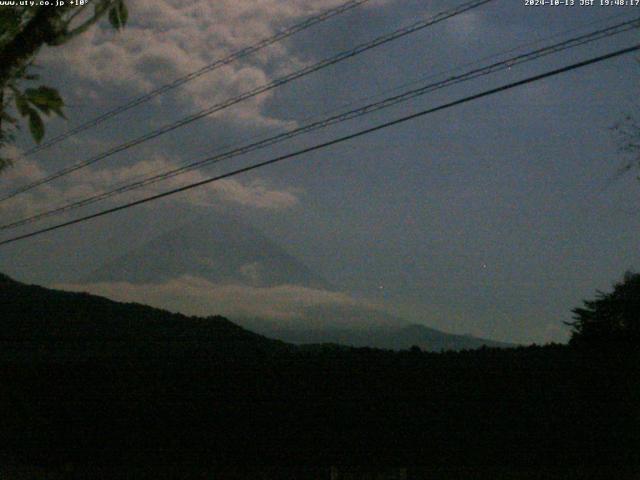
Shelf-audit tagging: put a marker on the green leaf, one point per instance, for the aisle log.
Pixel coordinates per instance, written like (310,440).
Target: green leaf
(58,112)
(36,126)
(9,19)
(118,15)
(45,96)
(46,99)
(22,105)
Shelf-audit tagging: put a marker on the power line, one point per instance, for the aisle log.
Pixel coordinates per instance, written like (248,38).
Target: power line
(332,120)
(329,143)
(262,89)
(198,73)
(402,32)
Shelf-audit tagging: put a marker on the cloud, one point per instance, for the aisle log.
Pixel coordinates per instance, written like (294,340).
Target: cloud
(256,193)
(252,272)
(167,39)
(88,182)
(22,172)
(196,296)
(466,25)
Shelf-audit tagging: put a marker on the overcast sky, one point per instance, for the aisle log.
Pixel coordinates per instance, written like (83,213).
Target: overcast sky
(493,218)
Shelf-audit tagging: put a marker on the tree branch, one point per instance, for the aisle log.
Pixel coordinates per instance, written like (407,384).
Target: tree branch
(99,11)
(40,30)
(77,12)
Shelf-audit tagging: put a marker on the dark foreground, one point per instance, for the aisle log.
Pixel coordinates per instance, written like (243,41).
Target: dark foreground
(71,471)
(531,409)
(95,389)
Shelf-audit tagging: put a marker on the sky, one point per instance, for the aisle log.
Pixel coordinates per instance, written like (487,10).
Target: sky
(494,218)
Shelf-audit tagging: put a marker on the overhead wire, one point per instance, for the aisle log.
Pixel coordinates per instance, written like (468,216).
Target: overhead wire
(237,55)
(342,117)
(329,143)
(397,34)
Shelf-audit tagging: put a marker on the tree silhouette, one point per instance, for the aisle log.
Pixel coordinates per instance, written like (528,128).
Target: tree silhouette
(24,30)
(611,319)
(628,131)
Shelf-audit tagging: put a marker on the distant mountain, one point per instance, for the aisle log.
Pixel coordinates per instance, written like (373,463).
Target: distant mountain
(362,327)
(389,338)
(224,250)
(219,247)
(37,322)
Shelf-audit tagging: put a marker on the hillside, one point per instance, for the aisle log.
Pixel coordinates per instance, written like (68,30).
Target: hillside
(37,321)
(92,383)
(221,251)
(386,335)
(57,324)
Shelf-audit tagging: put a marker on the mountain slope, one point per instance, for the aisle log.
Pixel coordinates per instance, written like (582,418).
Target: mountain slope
(217,247)
(387,333)
(53,323)
(314,406)
(222,250)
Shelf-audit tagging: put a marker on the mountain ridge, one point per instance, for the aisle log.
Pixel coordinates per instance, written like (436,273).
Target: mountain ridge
(225,251)
(32,313)
(220,248)
(390,336)
(48,323)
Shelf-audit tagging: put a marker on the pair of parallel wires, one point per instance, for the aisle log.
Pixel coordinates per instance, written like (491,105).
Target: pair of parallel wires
(303,72)
(331,120)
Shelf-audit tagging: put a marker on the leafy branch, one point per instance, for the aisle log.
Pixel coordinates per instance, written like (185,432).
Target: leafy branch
(23,32)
